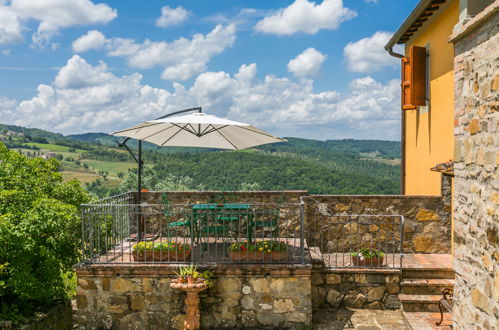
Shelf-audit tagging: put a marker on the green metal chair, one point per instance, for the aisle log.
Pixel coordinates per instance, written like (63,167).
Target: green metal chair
(168,212)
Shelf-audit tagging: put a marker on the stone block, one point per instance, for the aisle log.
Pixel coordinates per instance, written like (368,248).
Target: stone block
(427,215)
(333,278)
(270,319)
(318,296)
(283,305)
(375,305)
(297,317)
(248,302)
(317,278)
(81,301)
(375,293)
(260,285)
(334,298)
(474,126)
(137,302)
(481,301)
(354,299)
(86,284)
(147,285)
(423,243)
(105,283)
(392,301)
(123,285)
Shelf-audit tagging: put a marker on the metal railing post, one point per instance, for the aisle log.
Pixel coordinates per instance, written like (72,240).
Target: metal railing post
(402,219)
(302,227)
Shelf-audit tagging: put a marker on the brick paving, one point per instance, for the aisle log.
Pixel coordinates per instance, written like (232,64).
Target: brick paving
(360,319)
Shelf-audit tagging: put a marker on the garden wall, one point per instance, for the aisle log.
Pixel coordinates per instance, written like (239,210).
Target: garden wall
(140,297)
(427,218)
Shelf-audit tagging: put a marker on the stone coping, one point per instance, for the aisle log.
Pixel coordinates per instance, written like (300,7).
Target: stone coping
(379,196)
(159,270)
(473,23)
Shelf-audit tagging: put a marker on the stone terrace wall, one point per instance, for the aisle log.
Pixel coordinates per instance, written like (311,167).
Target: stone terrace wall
(376,290)
(140,297)
(427,218)
(427,226)
(476,185)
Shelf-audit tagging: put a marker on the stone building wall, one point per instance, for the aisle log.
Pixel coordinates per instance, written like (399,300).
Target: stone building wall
(140,297)
(476,184)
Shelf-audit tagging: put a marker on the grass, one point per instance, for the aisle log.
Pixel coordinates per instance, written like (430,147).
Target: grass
(83,177)
(53,147)
(111,167)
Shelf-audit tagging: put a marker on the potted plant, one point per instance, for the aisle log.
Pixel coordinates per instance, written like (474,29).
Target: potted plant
(171,251)
(368,257)
(191,275)
(270,251)
(238,251)
(143,251)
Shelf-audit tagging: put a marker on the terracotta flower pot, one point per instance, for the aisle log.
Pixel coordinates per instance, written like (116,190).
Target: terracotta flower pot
(367,262)
(172,255)
(257,255)
(278,256)
(143,256)
(191,280)
(238,256)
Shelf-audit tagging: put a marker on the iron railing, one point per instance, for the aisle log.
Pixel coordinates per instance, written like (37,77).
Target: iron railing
(354,240)
(117,231)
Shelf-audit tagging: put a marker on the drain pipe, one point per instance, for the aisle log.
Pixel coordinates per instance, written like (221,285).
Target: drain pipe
(389,49)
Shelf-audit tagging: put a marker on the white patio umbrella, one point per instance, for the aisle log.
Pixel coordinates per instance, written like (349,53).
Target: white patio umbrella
(199,130)
(193,130)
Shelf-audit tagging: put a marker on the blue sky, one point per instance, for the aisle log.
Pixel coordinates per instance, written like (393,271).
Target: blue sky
(312,69)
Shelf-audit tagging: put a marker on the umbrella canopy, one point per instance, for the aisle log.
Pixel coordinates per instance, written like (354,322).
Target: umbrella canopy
(199,130)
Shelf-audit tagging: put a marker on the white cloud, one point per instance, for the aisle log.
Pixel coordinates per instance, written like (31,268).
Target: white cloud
(10,26)
(368,54)
(307,64)
(306,17)
(87,98)
(92,40)
(172,16)
(52,15)
(181,58)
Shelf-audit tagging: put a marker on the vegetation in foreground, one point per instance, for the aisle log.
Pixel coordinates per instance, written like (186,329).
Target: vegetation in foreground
(39,233)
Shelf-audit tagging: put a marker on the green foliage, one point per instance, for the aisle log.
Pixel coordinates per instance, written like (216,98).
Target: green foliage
(152,180)
(368,253)
(39,231)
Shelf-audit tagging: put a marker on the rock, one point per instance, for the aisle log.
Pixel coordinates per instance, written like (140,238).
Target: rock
(334,298)
(375,305)
(341,207)
(318,296)
(392,288)
(478,299)
(228,285)
(283,305)
(392,301)
(474,126)
(269,318)
(375,293)
(247,302)
(122,285)
(86,284)
(423,243)
(317,278)
(147,285)
(333,278)
(427,215)
(137,302)
(354,299)
(260,285)
(297,317)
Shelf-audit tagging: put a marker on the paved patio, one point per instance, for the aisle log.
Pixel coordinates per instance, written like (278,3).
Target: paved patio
(360,319)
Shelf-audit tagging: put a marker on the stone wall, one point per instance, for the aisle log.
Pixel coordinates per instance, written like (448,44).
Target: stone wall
(427,224)
(375,290)
(476,185)
(140,297)
(58,317)
(427,218)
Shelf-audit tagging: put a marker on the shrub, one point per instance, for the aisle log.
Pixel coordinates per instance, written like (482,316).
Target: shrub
(39,232)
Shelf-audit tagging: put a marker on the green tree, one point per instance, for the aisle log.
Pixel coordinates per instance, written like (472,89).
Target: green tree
(39,231)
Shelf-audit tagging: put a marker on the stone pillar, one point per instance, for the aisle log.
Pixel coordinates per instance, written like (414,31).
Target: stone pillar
(476,184)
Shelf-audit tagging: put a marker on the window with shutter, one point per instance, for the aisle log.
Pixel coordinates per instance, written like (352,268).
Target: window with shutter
(414,78)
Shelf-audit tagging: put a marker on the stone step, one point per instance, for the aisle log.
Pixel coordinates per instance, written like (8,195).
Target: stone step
(425,286)
(419,302)
(434,273)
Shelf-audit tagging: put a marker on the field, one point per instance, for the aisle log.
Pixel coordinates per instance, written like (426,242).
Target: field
(53,147)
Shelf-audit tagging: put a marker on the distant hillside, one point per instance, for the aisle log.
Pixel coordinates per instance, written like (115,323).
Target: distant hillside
(332,166)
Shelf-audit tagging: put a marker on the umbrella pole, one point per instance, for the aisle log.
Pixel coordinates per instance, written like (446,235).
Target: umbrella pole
(140,221)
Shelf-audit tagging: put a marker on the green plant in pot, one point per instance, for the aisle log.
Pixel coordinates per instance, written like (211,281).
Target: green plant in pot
(368,257)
